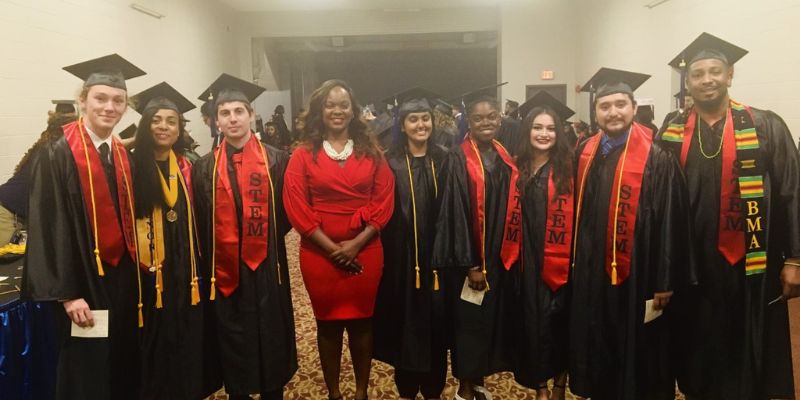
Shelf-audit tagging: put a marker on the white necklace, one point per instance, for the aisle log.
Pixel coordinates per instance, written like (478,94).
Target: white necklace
(336,156)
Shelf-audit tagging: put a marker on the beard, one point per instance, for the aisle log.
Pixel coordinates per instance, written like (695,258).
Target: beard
(714,103)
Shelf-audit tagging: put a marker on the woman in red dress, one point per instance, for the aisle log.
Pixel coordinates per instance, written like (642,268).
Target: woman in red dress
(339,194)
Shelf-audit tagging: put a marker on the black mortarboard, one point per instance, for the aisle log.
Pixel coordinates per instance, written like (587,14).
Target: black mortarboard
(708,46)
(128,132)
(544,99)
(382,123)
(414,93)
(111,70)
(161,96)
(64,106)
(229,88)
(486,91)
(608,81)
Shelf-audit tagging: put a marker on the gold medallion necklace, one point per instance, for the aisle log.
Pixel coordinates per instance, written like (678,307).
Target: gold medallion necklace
(700,140)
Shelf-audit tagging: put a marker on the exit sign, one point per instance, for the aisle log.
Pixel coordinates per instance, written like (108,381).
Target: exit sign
(547,75)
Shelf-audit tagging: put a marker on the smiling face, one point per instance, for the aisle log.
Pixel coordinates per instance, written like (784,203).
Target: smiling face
(708,81)
(484,122)
(614,113)
(543,133)
(418,127)
(337,110)
(103,107)
(165,128)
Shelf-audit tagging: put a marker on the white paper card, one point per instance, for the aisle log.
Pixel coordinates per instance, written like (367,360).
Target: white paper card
(99,330)
(2,278)
(651,313)
(471,295)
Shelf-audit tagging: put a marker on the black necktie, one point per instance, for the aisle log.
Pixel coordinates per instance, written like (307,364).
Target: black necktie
(108,166)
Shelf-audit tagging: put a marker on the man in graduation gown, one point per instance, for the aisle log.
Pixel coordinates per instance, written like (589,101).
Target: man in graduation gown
(477,244)
(630,246)
(742,171)
(81,248)
(242,225)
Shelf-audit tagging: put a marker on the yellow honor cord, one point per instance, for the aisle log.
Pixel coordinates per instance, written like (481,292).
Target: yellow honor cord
(414,215)
(170,189)
(614,280)
(94,205)
(129,198)
(580,206)
(483,222)
(213,292)
(274,211)
(192,260)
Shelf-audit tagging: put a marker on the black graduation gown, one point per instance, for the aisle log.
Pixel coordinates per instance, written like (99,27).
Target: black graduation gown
(255,325)
(738,347)
(613,354)
(60,265)
(172,337)
(510,135)
(409,322)
(542,350)
(482,341)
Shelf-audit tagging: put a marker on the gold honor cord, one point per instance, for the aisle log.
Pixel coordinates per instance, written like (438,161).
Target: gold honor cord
(81,132)
(133,226)
(170,189)
(616,212)
(193,261)
(414,213)
(483,221)
(576,223)
(274,212)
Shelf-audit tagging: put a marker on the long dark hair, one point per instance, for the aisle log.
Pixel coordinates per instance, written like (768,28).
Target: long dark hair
(364,142)
(55,120)
(561,162)
(146,182)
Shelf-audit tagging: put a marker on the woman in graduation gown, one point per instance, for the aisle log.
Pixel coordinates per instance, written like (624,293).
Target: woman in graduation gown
(409,312)
(545,164)
(477,240)
(172,336)
(339,195)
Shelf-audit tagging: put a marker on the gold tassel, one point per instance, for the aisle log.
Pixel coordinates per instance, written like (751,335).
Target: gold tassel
(213,295)
(99,263)
(486,279)
(195,292)
(278,268)
(417,280)
(159,287)
(435,280)
(614,273)
(141,317)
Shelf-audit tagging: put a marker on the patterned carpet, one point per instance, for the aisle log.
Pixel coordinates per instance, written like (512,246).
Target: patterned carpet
(308,384)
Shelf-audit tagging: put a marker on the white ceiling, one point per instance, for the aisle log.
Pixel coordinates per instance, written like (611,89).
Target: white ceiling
(387,5)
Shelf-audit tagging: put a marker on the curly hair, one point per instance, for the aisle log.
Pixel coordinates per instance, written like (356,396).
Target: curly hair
(561,159)
(146,180)
(364,141)
(53,132)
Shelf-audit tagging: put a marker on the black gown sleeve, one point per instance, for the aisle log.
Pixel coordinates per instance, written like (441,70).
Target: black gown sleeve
(453,245)
(57,252)
(783,169)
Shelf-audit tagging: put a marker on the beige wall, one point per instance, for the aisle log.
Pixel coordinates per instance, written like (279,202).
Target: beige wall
(195,42)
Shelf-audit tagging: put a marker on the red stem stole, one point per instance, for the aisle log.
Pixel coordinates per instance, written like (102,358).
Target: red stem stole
(558,236)
(509,252)
(253,180)
(112,241)
(625,191)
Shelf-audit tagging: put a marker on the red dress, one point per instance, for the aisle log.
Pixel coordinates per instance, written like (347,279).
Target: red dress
(340,200)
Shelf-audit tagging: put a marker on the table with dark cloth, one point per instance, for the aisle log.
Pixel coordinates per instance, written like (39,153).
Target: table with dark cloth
(28,350)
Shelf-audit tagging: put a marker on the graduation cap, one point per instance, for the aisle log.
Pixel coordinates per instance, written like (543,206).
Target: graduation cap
(128,132)
(381,123)
(544,99)
(708,46)
(161,96)
(475,94)
(607,81)
(65,106)
(229,88)
(415,93)
(111,70)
